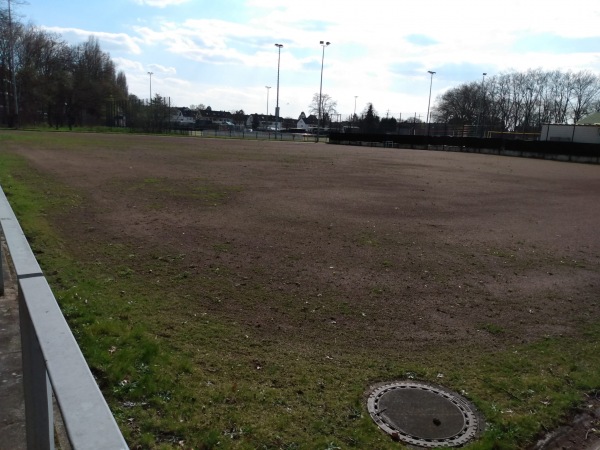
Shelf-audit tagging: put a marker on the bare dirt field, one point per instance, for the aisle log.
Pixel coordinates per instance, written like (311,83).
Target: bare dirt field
(380,251)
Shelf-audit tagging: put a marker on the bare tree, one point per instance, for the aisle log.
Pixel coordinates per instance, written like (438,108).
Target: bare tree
(560,87)
(521,101)
(43,78)
(586,87)
(500,101)
(328,106)
(460,105)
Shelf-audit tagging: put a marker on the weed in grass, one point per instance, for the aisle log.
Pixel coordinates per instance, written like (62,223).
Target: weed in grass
(211,440)
(125,272)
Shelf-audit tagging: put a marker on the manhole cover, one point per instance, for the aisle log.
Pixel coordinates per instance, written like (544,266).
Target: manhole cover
(424,415)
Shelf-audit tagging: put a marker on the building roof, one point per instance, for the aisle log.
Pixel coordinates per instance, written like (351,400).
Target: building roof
(591,119)
(187,112)
(311,120)
(209,113)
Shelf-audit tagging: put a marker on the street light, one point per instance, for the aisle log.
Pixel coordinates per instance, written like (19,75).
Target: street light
(323,44)
(150,73)
(268,87)
(277,106)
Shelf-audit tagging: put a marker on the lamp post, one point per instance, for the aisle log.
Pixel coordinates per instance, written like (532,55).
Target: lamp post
(323,44)
(268,87)
(430,72)
(150,73)
(277,106)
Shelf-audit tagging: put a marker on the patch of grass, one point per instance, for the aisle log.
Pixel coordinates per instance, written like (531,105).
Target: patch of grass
(368,239)
(529,389)
(492,328)
(158,192)
(378,290)
(223,247)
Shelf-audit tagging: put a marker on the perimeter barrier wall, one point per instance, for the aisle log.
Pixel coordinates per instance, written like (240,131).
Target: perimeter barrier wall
(567,151)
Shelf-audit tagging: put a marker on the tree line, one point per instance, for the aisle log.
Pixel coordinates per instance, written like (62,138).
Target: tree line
(517,102)
(520,101)
(45,80)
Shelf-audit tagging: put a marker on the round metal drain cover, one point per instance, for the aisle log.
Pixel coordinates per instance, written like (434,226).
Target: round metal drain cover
(424,415)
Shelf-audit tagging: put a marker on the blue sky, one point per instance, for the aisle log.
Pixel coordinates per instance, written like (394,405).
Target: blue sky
(222,52)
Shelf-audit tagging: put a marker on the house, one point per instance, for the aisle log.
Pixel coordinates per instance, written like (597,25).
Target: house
(254,121)
(262,122)
(183,117)
(307,123)
(221,119)
(288,123)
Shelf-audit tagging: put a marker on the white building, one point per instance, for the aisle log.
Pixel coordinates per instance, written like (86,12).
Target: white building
(183,117)
(586,131)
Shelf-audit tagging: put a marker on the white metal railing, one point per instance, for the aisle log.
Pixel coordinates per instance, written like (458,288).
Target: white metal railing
(52,360)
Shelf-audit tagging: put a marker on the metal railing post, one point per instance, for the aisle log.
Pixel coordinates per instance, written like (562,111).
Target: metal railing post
(1,268)
(36,385)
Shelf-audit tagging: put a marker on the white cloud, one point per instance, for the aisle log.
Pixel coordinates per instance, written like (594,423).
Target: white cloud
(205,40)
(372,54)
(128,65)
(162,69)
(160,3)
(116,41)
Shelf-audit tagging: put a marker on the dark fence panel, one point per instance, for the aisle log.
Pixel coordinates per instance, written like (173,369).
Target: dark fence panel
(529,148)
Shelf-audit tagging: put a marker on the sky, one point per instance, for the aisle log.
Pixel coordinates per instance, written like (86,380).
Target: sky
(222,53)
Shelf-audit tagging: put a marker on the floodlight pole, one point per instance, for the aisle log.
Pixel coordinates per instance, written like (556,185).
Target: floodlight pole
(323,44)
(150,73)
(277,106)
(268,87)
(482,104)
(430,72)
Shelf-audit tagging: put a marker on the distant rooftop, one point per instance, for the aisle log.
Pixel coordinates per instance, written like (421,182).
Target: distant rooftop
(592,119)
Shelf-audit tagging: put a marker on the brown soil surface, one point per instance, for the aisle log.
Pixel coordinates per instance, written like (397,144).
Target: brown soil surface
(429,248)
